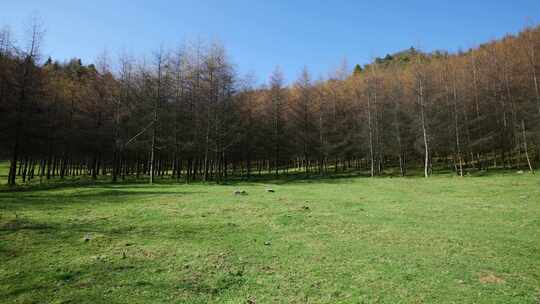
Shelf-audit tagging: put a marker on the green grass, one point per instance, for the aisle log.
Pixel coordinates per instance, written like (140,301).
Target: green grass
(4,171)
(344,240)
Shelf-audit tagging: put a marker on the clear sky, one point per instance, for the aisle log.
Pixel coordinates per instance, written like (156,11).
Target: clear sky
(260,34)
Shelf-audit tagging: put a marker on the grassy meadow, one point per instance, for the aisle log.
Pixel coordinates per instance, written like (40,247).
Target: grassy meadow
(344,240)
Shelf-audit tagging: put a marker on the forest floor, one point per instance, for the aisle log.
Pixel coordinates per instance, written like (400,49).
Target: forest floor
(345,240)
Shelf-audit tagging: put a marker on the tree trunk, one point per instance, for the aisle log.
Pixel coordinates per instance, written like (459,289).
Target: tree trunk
(525,147)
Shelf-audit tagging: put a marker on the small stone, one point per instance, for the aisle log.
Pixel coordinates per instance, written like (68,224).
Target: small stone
(267,243)
(520,172)
(270,190)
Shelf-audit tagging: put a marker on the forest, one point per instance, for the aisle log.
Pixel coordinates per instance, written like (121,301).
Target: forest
(173,176)
(186,114)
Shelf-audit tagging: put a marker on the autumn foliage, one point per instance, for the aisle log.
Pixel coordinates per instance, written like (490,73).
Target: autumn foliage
(185,114)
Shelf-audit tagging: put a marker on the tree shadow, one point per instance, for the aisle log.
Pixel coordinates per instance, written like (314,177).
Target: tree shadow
(255,179)
(90,196)
(17,224)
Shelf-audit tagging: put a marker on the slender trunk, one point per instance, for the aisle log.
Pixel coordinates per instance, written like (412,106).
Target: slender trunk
(12,176)
(475,86)
(525,147)
(370,128)
(398,137)
(424,129)
(15,156)
(25,170)
(532,64)
(456,128)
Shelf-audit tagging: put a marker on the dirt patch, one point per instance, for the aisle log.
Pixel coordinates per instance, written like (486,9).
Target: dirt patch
(490,279)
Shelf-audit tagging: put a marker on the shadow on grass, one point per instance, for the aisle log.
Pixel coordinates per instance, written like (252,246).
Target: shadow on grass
(255,179)
(17,224)
(112,229)
(14,201)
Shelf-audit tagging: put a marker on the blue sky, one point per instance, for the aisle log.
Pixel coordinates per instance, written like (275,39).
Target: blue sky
(260,34)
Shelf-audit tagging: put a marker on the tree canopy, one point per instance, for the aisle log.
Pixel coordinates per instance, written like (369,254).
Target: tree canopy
(186,114)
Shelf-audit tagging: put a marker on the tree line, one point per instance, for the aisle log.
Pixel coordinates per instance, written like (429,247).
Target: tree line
(185,114)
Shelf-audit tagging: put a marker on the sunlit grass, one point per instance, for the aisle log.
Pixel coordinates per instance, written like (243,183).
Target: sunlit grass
(346,240)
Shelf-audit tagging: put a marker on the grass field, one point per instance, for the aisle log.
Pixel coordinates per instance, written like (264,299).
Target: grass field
(348,240)
(4,170)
